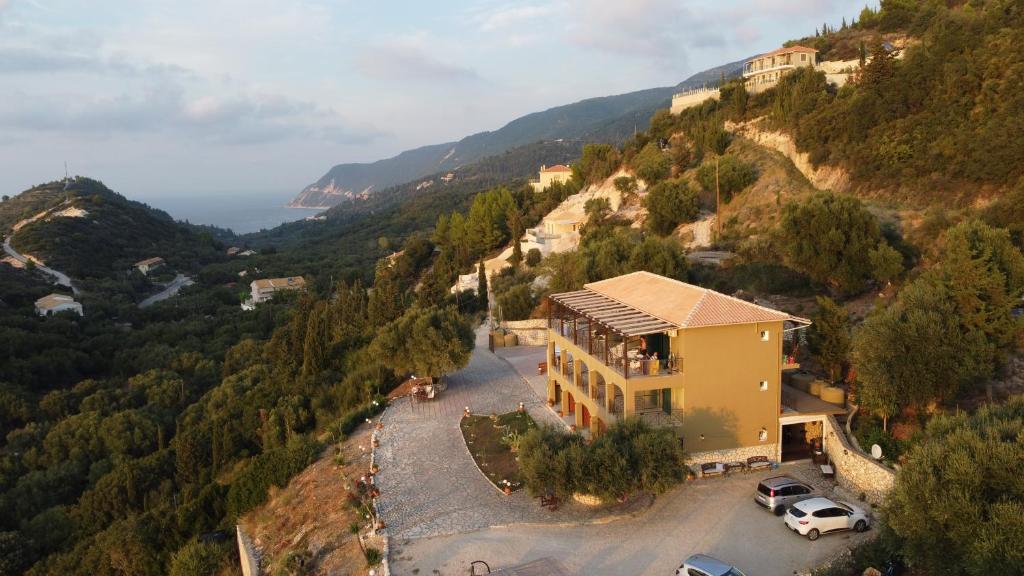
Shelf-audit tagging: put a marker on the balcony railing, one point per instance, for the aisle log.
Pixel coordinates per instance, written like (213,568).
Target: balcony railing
(661,419)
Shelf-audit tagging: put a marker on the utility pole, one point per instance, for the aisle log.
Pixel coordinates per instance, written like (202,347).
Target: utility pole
(718,203)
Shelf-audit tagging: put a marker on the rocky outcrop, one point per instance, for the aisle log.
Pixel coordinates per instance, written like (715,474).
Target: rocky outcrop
(821,177)
(326,195)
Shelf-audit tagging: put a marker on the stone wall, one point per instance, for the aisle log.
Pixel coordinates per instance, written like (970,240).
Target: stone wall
(247,553)
(691,98)
(695,459)
(856,471)
(530,332)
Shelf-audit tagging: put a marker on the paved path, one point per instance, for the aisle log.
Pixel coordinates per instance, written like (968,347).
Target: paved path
(171,289)
(59,277)
(429,483)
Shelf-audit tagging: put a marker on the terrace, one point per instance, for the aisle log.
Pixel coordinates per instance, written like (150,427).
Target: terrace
(633,343)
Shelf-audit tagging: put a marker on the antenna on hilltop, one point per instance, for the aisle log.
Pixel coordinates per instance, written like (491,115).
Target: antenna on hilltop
(67,181)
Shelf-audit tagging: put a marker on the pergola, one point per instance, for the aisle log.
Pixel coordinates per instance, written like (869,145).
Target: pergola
(604,318)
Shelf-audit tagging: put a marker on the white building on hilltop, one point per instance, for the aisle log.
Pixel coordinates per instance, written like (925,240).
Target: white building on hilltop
(55,303)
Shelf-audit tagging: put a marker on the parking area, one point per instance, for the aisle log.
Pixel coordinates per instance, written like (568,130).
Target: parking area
(715,516)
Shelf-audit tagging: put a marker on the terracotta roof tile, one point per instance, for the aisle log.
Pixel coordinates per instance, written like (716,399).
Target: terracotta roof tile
(682,304)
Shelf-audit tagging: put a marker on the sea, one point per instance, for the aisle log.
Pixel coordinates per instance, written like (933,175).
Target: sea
(241,212)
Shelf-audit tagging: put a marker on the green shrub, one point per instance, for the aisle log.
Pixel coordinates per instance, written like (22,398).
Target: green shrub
(272,468)
(669,204)
(533,257)
(629,457)
(733,176)
(651,164)
(373,556)
(198,559)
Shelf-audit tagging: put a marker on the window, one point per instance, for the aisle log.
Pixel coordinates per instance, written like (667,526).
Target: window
(803,57)
(763,386)
(765,335)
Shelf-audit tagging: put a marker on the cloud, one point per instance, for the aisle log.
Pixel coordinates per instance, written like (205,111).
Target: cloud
(406,62)
(509,16)
(658,31)
(167,109)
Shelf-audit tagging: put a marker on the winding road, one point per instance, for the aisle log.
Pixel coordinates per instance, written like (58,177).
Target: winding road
(170,289)
(59,277)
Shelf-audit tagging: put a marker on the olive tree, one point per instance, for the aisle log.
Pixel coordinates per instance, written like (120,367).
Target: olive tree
(958,502)
(427,341)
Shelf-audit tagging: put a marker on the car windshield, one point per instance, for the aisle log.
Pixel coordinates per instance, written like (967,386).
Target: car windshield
(797,512)
(844,507)
(734,572)
(764,489)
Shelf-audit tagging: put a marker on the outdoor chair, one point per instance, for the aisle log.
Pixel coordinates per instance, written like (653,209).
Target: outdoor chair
(758,463)
(549,501)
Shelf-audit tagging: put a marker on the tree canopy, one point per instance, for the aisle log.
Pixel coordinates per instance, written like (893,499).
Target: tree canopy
(830,237)
(429,342)
(669,204)
(958,502)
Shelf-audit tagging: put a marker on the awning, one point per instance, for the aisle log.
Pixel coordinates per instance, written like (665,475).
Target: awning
(619,317)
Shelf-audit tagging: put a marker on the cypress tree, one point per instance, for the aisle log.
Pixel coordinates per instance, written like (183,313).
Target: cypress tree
(481,289)
(516,227)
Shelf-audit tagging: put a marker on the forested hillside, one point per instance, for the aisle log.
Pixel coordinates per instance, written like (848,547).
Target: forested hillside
(606,119)
(942,124)
(105,233)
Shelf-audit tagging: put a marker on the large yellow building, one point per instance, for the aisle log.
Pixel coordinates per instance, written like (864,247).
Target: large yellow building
(676,355)
(764,71)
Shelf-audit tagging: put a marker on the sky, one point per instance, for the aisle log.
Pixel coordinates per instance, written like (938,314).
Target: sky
(158,97)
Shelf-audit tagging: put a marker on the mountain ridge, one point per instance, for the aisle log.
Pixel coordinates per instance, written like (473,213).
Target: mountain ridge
(609,119)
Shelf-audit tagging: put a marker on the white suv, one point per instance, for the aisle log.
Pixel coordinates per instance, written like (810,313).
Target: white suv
(814,517)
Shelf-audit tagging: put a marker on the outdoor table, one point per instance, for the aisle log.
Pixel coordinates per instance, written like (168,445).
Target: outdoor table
(827,471)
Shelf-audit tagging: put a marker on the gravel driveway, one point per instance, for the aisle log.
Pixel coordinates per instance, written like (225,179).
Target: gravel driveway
(716,516)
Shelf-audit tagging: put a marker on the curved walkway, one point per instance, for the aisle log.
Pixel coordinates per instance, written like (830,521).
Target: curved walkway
(429,484)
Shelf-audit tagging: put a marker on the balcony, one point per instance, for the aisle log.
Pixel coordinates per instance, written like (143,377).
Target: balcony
(623,354)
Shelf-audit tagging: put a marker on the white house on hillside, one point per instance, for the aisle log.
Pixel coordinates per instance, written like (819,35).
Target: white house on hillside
(148,265)
(263,290)
(54,303)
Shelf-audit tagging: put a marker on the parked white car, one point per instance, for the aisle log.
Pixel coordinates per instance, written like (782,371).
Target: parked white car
(816,516)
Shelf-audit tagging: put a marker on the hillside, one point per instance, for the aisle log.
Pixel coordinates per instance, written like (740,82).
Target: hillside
(606,119)
(86,230)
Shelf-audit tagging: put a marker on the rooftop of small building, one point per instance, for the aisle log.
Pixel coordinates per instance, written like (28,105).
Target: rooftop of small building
(53,301)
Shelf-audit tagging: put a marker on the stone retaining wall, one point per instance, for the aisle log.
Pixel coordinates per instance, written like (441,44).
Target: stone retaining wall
(532,332)
(247,553)
(695,459)
(856,471)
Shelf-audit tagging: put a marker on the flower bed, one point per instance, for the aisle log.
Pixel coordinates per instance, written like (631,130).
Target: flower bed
(493,441)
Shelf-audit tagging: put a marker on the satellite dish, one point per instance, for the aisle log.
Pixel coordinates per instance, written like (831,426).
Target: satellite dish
(876,451)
